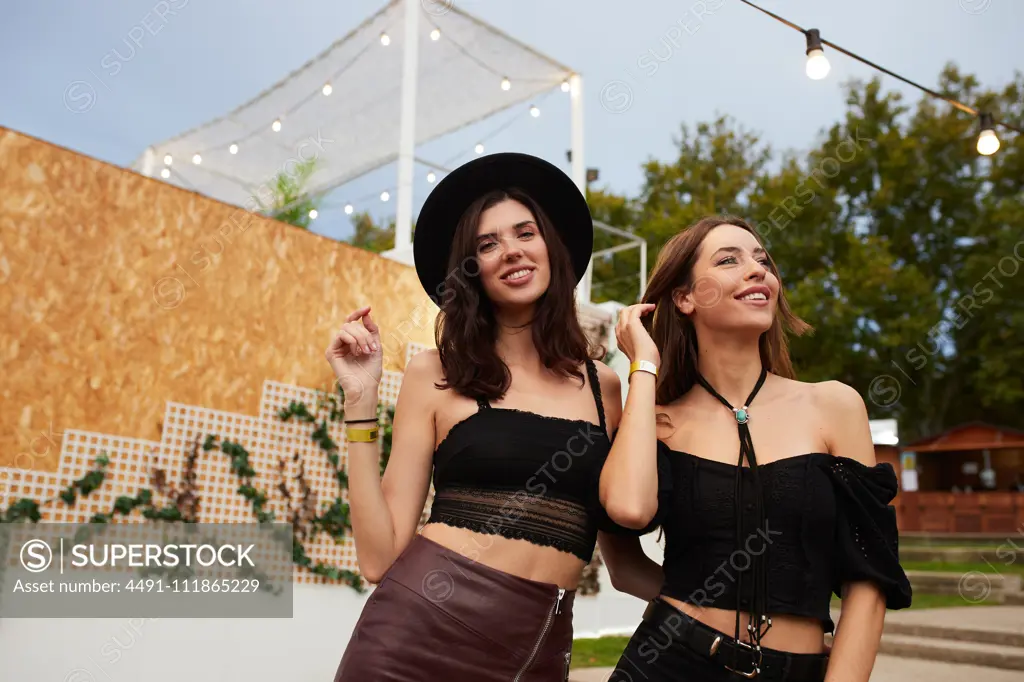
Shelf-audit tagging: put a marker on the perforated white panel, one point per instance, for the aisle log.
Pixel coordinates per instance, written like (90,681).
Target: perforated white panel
(276,450)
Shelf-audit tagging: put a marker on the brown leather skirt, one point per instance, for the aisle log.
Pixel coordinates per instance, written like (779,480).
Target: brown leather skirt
(438,616)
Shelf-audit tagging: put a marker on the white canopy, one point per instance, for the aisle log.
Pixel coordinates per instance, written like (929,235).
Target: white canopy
(356,127)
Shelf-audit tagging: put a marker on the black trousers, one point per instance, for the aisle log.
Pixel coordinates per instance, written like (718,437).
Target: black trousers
(670,646)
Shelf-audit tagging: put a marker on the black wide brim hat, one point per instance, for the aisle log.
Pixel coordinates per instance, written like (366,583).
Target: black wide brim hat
(553,190)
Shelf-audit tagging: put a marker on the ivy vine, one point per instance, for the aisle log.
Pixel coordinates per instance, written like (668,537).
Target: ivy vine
(183,501)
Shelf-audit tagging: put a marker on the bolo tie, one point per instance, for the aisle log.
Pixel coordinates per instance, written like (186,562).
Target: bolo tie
(760,623)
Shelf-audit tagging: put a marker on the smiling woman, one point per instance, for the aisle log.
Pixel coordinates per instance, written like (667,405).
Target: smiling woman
(507,418)
(755,544)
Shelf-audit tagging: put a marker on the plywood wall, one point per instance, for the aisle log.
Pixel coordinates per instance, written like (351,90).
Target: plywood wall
(119,294)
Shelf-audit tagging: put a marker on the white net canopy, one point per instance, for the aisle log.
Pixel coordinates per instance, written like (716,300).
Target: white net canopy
(462,63)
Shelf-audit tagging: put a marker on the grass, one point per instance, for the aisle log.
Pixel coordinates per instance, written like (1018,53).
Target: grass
(604,652)
(932,601)
(1013,568)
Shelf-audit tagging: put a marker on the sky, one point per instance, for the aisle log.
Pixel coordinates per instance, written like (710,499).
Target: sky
(213,55)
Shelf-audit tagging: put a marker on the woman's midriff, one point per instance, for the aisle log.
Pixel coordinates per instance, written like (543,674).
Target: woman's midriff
(794,634)
(516,557)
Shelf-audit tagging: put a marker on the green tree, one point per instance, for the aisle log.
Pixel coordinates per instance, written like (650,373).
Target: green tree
(940,334)
(895,240)
(289,202)
(616,275)
(370,236)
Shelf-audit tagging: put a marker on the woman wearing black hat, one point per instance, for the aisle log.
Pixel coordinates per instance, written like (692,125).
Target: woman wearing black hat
(508,414)
(754,545)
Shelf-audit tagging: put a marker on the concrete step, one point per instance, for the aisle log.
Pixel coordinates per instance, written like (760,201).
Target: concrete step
(1014,598)
(955,633)
(953,651)
(972,586)
(887,669)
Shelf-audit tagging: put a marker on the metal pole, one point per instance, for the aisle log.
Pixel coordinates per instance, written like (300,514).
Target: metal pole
(407,140)
(579,167)
(148,161)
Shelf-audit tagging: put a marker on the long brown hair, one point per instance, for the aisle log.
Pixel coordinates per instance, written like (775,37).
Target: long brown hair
(674,333)
(465,330)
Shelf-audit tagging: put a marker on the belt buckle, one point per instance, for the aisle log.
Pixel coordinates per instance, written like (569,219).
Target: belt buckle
(756,663)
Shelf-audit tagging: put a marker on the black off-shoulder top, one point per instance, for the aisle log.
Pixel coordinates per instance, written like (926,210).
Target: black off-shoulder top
(828,521)
(523,475)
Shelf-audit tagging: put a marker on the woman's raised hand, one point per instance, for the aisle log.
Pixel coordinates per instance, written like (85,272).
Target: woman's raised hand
(357,358)
(632,337)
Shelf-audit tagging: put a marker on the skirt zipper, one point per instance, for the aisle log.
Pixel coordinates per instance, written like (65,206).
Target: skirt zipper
(555,610)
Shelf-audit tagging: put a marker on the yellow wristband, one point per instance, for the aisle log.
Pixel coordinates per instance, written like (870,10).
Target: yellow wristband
(355,435)
(643,366)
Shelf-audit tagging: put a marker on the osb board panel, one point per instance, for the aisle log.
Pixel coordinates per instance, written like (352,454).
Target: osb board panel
(267,438)
(119,293)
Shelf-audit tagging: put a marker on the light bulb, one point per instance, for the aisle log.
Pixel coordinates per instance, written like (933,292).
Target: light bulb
(988,143)
(313,214)
(348,209)
(233,149)
(276,125)
(817,65)
(479,149)
(384,196)
(327,89)
(505,84)
(534,111)
(431,177)
(196,159)
(165,173)
(168,159)
(435,34)
(384,39)
(565,86)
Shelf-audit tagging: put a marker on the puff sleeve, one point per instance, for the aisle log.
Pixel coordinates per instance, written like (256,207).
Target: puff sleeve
(866,539)
(607,525)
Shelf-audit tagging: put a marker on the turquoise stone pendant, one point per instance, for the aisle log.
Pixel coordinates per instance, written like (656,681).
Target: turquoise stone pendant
(742,416)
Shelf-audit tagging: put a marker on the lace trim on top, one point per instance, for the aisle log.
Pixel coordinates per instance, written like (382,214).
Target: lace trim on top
(518,515)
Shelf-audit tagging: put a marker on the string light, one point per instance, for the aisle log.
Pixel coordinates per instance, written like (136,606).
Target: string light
(313,214)
(818,67)
(196,159)
(384,196)
(165,173)
(233,149)
(817,63)
(276,125)
(534,111)
(431,177)
(435,34)
(167,159)
(479,148)
(348,209)
(988,143)
(505,84)
(565,86)
(327,89)
(384,39)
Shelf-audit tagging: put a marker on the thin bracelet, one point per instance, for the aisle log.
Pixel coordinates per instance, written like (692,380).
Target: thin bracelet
(361,421)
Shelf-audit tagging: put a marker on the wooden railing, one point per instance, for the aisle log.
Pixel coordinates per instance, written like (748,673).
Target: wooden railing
(980,512)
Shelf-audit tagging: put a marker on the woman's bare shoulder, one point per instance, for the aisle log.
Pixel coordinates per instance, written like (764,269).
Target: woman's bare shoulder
(423,372)
(609,380)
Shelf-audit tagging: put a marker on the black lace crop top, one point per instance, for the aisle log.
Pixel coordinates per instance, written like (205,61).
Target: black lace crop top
(523,475)
(827,522)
